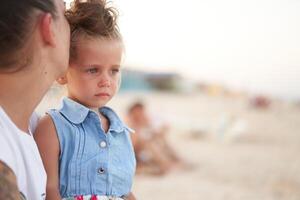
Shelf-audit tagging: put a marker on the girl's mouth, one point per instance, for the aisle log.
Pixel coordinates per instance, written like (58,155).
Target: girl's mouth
(103,94)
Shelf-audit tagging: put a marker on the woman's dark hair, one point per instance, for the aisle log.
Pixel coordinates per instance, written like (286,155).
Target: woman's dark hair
(17,19)
(92,18)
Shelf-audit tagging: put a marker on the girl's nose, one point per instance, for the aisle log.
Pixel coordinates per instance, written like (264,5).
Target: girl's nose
(104,81)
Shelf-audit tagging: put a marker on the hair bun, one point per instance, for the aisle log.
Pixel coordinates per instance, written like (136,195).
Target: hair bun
(93,17)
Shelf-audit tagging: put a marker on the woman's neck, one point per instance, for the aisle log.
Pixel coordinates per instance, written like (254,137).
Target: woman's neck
(18,98)
(18,109)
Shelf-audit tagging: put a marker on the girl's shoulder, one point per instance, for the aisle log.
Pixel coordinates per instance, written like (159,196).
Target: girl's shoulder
(45,133)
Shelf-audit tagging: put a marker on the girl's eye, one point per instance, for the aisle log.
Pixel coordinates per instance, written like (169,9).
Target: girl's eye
(115,71)
(92,70)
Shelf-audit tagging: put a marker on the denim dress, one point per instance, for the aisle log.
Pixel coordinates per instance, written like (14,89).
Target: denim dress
(92,162)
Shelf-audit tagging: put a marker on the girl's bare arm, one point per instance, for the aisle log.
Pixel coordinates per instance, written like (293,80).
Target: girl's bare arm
(48,144)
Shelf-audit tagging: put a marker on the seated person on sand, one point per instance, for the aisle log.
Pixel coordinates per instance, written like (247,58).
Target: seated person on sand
(153,153)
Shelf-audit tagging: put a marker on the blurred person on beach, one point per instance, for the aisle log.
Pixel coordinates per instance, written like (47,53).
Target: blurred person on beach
(153,152)
(34,46)
(85,147)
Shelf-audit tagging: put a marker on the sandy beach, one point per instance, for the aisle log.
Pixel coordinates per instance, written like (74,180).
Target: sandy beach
(238,152)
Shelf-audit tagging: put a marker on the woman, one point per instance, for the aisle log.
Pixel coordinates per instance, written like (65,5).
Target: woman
(34,51)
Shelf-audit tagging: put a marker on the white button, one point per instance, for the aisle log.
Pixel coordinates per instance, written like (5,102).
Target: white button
(103,144)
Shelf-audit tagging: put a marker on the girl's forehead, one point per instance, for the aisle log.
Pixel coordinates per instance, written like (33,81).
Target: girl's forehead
(99,47)
(95,41)
(99,51)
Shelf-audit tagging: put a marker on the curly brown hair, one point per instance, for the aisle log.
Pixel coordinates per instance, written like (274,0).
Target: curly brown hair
(92,18)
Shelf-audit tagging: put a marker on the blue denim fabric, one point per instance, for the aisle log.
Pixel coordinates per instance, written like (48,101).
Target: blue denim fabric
(91,161)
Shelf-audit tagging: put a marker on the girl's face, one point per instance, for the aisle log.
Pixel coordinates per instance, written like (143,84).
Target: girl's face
(94,77)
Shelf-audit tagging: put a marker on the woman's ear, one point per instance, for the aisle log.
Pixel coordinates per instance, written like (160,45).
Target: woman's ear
(46,29)
(62,80)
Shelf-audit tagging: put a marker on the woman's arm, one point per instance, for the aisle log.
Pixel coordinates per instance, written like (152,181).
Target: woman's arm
(48,144)
(8,183)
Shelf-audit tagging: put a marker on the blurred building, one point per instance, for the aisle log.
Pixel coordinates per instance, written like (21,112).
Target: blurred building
(135,80)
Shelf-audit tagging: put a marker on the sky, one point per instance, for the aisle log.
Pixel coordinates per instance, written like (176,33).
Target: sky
(245,44)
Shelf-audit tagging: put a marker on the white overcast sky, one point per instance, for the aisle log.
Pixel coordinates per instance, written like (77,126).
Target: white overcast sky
(251,44)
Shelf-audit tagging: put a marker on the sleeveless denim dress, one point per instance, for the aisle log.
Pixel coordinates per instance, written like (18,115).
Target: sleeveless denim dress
(92,162)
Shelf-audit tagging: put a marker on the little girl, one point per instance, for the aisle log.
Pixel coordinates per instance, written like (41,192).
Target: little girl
(85,147)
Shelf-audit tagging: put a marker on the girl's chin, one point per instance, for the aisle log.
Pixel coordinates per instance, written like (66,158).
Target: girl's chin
(97,105)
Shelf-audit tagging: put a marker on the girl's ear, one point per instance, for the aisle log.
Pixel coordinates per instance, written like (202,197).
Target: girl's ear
(62,80)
